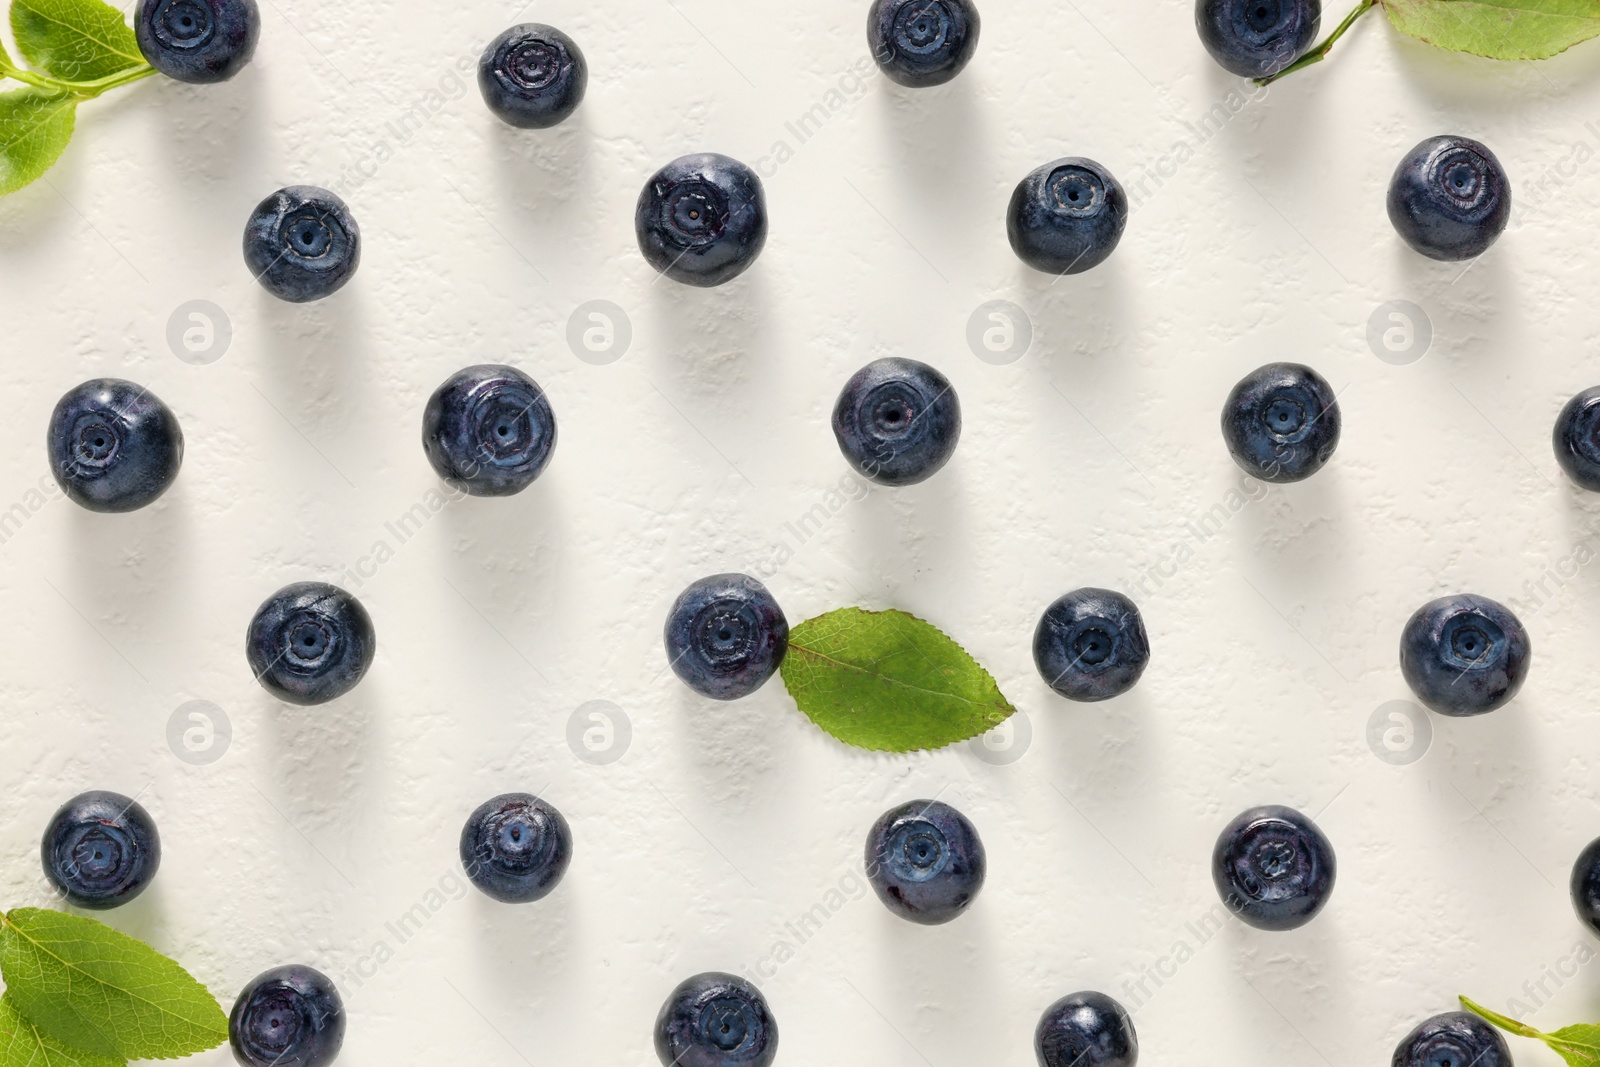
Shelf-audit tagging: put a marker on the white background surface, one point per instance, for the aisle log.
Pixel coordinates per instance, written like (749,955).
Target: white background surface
(1081,464)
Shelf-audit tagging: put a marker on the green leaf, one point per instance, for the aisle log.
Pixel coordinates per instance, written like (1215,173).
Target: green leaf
(35,127)
(74,40)
(1498,29)
(1579,1045)
(24,1045)
(93,988)
(888,681)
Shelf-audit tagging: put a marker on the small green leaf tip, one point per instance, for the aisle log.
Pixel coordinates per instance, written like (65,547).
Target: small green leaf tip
(889,682)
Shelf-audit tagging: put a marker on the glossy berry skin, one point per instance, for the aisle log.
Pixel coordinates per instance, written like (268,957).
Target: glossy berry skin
(302,244)
(716,1020)
(1273,868)
(310,643)
(113,445)
(897,421)
(1577,439)
(516,847)
(925,861)
(1586,886)
(1086,1029)
(1091,645)
(1464,655)
(725,636)
(287,1017)
(100,850)
(1454,1039)
(199,41)
(1067,216)
(1450,198)
(533,76)
(1257,38)
(489,431)
(702,219)
(1282,423)
(918,43)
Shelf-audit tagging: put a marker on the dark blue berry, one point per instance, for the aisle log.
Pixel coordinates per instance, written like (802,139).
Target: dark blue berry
(533,76)
(1577,439)
(925,861)
(488,430)
(1086,1030)
(197,41)
(716,1020)
(310,643)
(1091,645)
(100,850)
(1464,655)
(1586,886)
(302,244)
(1450,198)
(516,847)
(726,636)
(1282,422)
(702,219)
(287,1017)
(1067,216)
(897,421)
(1257,38)
(918,43)
(113,445)
(1454,1039)
(1273,868)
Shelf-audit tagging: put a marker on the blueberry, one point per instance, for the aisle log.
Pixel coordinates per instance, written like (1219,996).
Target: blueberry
(702,220)
(726,636)
(925,861)
(716,1020)
(198,41)
(1282,422)
(1086,1030)
(1586,886)
(533,76)
(113,445)
(1091,645)
(488,430)
(287,1017)
(301,244)
(919,43)
(1273,868)
(100,850)
(1067,216)
(897,421)
(310,643)
(1464,655)
(516,847)
(1257,38)
(1454,1039)
(1450,198)
(1577,439)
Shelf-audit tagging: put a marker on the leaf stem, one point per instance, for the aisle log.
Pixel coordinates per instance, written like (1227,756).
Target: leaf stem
(1319,53)
(1504,1023)
(85,89)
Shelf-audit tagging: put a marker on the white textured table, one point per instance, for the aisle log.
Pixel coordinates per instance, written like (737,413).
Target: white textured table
(1258,234)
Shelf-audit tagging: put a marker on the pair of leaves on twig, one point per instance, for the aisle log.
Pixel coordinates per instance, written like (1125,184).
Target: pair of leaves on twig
(74,48)
(80,994)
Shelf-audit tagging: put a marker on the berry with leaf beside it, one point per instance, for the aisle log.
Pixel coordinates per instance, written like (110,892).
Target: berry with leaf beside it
(725,636)
(287,1017)
(197,41)
(100,850)
(1257,38)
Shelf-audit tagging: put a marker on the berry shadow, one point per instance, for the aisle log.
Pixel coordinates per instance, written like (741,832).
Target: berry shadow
(314,361)
(545,175)
(319,754)
(524,952)
(949,964)
(211,134)
(715,341)
(727,748)
(904,533)
(943,156)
